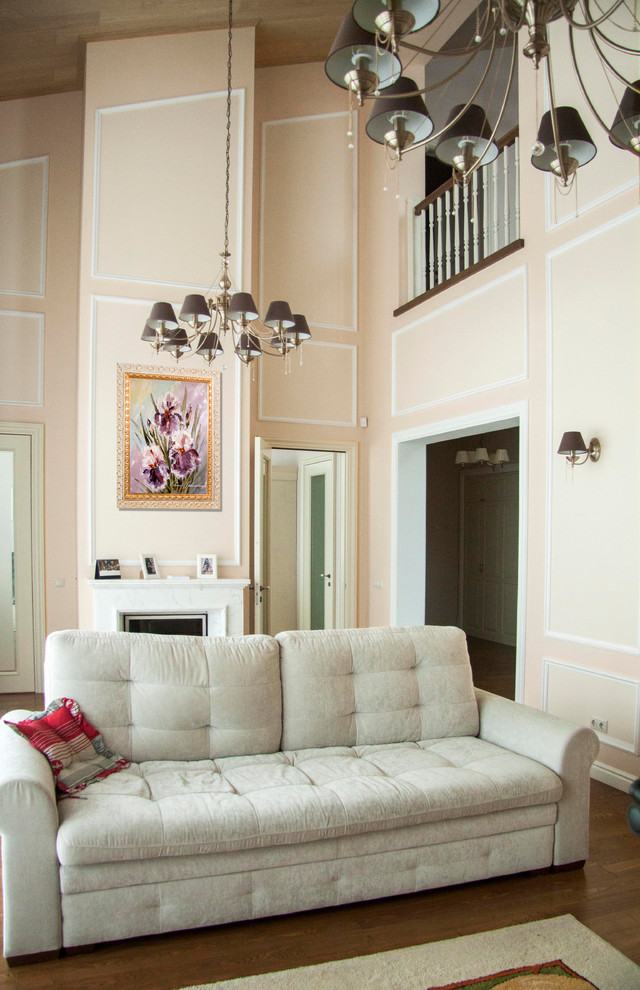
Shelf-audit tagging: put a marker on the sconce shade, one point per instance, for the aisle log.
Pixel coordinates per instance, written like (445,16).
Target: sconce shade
(481,455)
(462,457)
(469,136)
(248,346)
(422,12)
(572,443)
(162,317)
(242,304)
(407,104)
(502,457)
(351,41)
(300,329)
(279,314)
(148,334)
(209,345)
(573,135)
(626,123)
(195,308)
(178,342)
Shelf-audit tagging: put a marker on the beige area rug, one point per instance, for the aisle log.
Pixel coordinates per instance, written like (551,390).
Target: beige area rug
(509,958)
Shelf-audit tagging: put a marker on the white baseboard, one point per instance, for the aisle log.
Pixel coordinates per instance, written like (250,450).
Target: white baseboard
(619,779)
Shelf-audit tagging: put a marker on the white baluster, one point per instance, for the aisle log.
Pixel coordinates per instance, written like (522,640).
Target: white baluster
(495,226)
(465,227)
(485,214)
(431,274)
(456,228)
(507,211)
(516,169)
(475,226)
(447,220)
(439,233)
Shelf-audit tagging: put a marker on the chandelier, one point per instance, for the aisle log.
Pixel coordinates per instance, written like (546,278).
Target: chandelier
(203,323)
(365,60)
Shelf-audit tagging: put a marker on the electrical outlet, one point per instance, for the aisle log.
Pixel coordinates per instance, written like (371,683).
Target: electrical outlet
(600,724)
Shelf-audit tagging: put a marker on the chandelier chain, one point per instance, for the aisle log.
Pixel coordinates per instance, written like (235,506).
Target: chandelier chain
(228,142)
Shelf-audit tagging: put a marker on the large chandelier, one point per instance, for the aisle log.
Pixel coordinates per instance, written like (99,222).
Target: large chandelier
(203,323)
(365,59)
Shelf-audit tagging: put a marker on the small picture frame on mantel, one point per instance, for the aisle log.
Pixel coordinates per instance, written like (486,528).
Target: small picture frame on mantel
(149,565)
(107,568)
(206,566)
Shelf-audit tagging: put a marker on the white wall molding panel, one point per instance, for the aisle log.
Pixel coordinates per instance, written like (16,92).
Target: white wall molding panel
(476,343)
(296,398)
(22,347)
(593,528)
(23,207)
(308,241)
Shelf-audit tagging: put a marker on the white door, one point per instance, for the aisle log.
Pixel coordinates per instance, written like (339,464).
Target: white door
(17,639)
(317,544)
(261,536)
(490,556)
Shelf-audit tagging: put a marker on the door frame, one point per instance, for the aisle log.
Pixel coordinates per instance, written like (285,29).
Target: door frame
(350,518)
(35,431)
(311,467)
(408,514)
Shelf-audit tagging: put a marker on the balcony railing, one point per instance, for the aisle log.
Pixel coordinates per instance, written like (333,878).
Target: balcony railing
(459,229)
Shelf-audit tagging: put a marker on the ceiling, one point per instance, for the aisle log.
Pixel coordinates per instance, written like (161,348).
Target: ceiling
(42,42)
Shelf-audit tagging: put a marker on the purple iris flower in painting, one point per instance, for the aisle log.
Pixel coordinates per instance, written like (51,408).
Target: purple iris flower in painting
(184,457)
(167,418)
(154,468)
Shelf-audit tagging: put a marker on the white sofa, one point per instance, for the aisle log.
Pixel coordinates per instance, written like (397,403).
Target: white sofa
(276,775)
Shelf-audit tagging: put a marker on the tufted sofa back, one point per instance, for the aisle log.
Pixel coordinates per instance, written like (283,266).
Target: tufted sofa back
(171,697)
(372,686)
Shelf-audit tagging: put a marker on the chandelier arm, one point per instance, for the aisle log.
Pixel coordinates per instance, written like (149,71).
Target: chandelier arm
(477,164)
(588,25)
(427,89)
(513,24)
(485,34)
(603,58)
(554,122)
(595,113)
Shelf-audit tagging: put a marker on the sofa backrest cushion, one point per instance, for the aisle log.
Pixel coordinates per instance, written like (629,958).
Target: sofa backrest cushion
(171,697)
(371,686)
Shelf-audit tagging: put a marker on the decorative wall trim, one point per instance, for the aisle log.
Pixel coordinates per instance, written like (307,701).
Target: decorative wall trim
(318,422)
(416,440)
(38,401)
(619,779)
(605,738)
(239,159)
(44,159)
(237,415)
(490,386)
(583,208)
(626,648)
(354,255)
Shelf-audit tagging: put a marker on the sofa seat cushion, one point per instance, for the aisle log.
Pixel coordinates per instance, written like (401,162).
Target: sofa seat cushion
(162,808)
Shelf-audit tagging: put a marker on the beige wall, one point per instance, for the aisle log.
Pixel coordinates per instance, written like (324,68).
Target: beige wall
(40,177)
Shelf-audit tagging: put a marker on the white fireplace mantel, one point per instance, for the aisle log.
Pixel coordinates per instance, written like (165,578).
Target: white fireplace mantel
(221,599)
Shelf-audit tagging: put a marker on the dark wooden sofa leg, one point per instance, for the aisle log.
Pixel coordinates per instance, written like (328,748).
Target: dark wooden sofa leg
(34,957)
(78,950)
(563,867)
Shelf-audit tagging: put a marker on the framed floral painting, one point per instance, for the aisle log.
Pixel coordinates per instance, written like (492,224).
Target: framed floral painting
(168,438)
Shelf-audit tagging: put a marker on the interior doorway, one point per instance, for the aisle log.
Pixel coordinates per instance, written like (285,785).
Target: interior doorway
(304,536)
(430,551)
(21,558)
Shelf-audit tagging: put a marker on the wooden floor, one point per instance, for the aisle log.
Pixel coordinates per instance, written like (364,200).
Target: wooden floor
(604,896)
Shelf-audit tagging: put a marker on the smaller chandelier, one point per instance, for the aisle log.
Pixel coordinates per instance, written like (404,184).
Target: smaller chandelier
(203,324)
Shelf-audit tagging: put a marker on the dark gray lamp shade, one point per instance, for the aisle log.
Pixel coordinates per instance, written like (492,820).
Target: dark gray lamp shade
(281,344)
(571,132)
(149,334)
(177,343)
(242,304)
(300,329)
(279,314)
(572,443)
(422,11)
(626,123)
(209,346)
(162,317)
(248,346)
(352,40)
(406,101)
(195,308)
(471,131)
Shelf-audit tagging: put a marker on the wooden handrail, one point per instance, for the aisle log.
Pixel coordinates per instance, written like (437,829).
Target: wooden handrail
(424,204)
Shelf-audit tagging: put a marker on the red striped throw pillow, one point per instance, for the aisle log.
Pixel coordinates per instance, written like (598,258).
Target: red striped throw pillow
(75,750)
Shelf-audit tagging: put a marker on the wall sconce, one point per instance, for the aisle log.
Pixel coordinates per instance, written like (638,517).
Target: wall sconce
(573,447)
(480,456)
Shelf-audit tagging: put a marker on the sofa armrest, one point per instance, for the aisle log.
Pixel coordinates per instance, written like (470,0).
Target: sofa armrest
(29,827)
(566,748)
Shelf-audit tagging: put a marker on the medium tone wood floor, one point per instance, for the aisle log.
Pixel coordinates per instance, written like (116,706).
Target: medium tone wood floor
(603,896)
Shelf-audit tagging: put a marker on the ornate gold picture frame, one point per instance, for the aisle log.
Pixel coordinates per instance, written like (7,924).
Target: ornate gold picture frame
(168,438)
